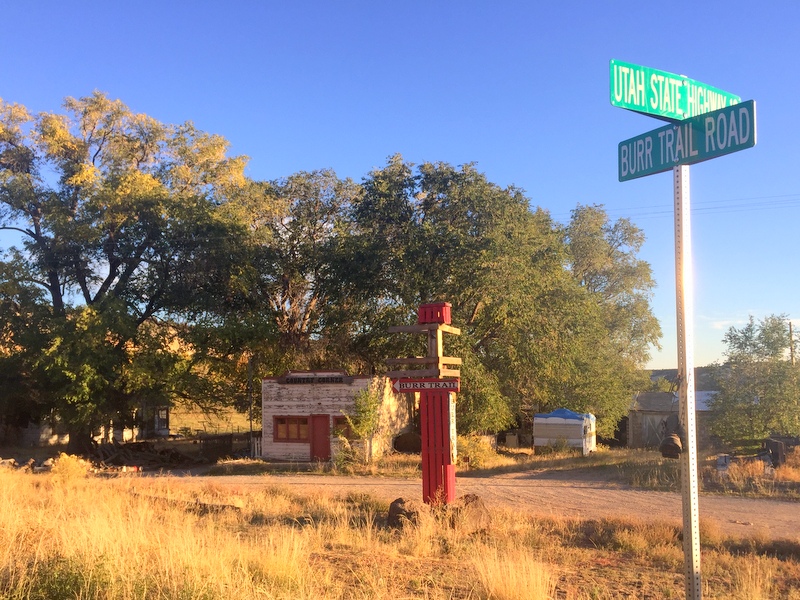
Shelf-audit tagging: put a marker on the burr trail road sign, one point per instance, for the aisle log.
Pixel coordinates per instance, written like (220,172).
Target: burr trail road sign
(691,141)
(417,385)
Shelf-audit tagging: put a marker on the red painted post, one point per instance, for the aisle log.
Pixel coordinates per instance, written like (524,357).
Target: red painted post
(449,469)
(427,455)
(437,424)
(438,472)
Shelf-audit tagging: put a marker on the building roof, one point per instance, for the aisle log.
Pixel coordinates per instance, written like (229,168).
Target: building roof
(668,401)
(701,400)
(655,402)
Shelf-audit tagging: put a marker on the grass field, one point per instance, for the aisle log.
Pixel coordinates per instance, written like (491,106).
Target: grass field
(68,535)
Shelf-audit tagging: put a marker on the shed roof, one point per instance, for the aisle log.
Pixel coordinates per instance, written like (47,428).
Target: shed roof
(564,413)
(668,401)
(655,402)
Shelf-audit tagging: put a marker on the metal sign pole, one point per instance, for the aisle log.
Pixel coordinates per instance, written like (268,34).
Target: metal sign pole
(696,134)
(684,289)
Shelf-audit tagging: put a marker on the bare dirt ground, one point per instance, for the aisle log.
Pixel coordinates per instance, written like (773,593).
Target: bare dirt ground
(566,494)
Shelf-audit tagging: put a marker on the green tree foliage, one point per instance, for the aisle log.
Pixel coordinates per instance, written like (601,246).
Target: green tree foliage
(298,223)
(603,258)
(619,323)
(152,270)
(533,337)
(121,231)
(759,388)
(24,320)
(661,384)
(365,418)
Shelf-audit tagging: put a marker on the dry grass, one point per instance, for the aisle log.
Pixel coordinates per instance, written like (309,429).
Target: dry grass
(390,465)
(647,469)
(502,575)
(65,535)
(754,478)
(754,579)
(790,471)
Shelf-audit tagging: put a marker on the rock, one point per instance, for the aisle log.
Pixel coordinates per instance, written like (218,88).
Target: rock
(409,442)
(403,512)
(469,514)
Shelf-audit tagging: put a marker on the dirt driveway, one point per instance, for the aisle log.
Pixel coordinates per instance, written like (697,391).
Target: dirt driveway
(557,494)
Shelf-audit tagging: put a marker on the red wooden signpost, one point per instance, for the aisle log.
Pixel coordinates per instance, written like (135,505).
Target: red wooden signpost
(436,383)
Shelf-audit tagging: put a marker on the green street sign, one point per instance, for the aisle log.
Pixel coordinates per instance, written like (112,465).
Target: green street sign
(664,95)
(691,141)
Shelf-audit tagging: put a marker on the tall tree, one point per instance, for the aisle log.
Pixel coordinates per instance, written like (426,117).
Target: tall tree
(121,231)
(759,387)
(295,224)
(532,336)
(620,326)
(603,258)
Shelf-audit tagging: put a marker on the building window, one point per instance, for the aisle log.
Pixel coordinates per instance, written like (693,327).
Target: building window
(162,418)
(290,429)
(341,427)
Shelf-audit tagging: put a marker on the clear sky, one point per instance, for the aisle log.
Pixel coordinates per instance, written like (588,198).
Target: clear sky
(519,87)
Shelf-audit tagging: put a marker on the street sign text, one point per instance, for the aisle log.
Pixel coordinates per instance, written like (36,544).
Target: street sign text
(416,385)
(664,95)
(689,142)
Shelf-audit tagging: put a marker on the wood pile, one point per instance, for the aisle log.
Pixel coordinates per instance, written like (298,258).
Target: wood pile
(141,455)
(130,457)
(30,466)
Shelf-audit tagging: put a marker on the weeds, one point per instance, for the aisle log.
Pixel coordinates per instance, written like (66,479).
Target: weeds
(502,575)
(753,579)
(753,477)
(84,537)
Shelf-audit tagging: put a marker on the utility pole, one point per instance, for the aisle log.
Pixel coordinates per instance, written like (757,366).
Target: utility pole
(791,342)
(250,399)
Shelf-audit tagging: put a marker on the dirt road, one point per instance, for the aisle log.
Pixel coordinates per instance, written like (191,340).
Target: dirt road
(559,494)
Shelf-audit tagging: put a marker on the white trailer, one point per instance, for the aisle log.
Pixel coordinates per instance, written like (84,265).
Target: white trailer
(563,426)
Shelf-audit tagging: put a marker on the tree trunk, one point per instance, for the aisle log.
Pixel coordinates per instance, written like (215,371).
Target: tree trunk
(80,442)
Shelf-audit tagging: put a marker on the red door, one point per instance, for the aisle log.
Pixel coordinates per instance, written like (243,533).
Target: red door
(320,437)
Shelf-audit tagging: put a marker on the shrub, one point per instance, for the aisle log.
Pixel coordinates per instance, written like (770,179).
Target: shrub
(474,451)
(69,467)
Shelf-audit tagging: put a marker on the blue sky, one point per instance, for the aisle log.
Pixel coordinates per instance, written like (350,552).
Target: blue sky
(519,87)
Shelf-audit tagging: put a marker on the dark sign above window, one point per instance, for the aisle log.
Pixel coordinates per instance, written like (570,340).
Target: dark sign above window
(311,378)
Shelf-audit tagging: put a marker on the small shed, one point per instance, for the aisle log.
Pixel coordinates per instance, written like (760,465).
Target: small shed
(577,430)
(650,413)
(648,416)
